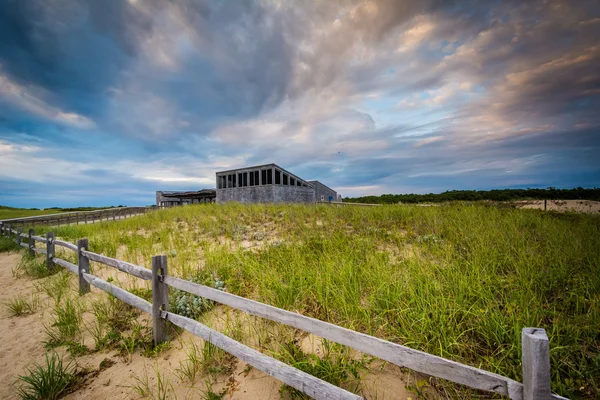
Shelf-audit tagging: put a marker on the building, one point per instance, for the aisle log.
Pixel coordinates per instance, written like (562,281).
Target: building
(170,199)
(269,184)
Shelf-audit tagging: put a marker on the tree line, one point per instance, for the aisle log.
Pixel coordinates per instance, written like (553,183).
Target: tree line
(550,193)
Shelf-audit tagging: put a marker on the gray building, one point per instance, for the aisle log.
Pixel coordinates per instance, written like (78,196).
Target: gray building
(269,184)
(170,199)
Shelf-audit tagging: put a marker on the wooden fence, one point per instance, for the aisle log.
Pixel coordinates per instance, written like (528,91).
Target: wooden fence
(535,349)
(342,203)
(77,217)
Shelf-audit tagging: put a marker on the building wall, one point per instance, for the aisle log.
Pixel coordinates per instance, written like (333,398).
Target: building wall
(322,192)
(266,194)
(293,194)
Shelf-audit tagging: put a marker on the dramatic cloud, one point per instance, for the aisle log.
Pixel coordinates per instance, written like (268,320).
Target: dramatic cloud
(367,96)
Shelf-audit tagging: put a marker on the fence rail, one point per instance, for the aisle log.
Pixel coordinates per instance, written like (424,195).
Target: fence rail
(76,217)
(535,355)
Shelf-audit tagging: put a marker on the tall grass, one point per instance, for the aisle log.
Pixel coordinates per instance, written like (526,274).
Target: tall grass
(459,280)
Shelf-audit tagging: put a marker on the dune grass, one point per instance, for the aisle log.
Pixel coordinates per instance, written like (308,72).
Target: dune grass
(459,280)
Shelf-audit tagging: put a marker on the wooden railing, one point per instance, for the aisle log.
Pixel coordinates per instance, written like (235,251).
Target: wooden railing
(535,346)
(77,217)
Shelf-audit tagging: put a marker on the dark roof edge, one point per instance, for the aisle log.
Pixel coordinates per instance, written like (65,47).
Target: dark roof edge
(250,167)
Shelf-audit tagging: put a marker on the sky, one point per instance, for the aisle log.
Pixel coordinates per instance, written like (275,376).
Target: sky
(103,102)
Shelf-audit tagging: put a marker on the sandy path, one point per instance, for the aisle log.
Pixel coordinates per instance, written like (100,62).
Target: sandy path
(21,336)
(22,345)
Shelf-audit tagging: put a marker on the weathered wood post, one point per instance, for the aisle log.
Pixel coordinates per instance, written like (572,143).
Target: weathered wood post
(31,242)
(19,238)
(536,364)
(84,266)
(160,299)
(49,249)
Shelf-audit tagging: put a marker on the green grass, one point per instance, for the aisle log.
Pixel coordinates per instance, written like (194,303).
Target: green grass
(34,267)
(7,245)
(66,326)
(48,381)
(335,366)
(56,286)
(19,305)
(9,212)
(151,388)
(457,280)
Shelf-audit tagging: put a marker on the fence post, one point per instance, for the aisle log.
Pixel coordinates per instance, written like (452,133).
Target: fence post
(31,242)
(19,238)
(84,266)
(160,299)
(49,249)
(536,364)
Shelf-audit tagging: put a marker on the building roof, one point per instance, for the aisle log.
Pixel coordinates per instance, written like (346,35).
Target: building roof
(200,193)
(271,165)
(250,167)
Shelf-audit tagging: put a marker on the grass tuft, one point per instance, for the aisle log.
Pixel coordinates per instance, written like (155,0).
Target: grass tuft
(19,305)
(67,323)
(48,381)
(145,388)
(334,366)
(7,245)
(33,267)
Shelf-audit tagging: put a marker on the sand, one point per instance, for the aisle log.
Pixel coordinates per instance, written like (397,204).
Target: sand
(582,206)
(112,376)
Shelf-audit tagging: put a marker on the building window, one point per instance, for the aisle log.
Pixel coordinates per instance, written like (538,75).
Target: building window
(292,181)
(285,179)
(252,178)
(277,177)
(270,176)
(298,183)
(255,178)
(233,180)
(264,176)
(245,179)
